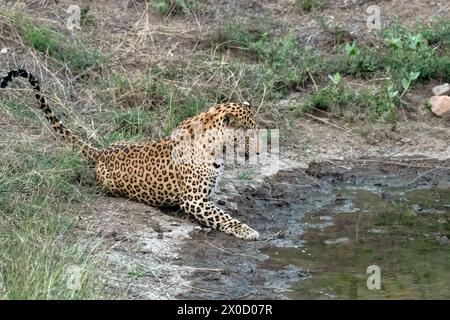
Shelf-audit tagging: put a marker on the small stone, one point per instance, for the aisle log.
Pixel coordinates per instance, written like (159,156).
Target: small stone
(443,240)
(442,89)
(376,230)
(337,241)
(440,105)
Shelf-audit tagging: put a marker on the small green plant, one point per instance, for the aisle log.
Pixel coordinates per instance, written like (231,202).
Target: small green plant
(406,82)
(395,42)
(414,40)
(244,176)
(427,104)
(336,79)
(327,97)
(360,61)
(351,49)
(387,107)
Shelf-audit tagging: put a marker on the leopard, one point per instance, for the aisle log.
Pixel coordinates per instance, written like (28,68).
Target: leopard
(180,170)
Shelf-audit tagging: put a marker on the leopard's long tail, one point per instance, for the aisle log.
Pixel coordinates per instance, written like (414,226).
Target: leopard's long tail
(88,150)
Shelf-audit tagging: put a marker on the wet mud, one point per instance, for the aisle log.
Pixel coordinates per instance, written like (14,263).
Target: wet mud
(322,227)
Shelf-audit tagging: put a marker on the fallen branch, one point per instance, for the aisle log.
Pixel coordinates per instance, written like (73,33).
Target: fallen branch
(232,253)
(328,123)
(274,236)
(204,290)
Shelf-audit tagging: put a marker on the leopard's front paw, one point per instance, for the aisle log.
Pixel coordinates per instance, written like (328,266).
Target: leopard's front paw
(243,231)
(252,234)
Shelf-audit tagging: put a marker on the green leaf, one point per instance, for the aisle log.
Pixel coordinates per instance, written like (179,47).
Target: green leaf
(414,75)
(351,49)
(391,92)
(336,79)
(395,43)
(414,41)
(405,84)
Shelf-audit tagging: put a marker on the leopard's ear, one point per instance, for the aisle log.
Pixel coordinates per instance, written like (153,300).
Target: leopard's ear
(231,121)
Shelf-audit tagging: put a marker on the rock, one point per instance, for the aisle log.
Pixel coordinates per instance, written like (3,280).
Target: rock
(442,89)
(376,230)
(440,105)
(443,240)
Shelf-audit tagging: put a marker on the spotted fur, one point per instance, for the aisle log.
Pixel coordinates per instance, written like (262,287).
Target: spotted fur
(178,170)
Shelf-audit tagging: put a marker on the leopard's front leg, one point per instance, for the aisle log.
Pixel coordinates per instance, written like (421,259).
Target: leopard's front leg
(211,216)
(195,188)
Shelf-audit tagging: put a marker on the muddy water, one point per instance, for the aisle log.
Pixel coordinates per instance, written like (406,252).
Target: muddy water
(323,227)
(402,232)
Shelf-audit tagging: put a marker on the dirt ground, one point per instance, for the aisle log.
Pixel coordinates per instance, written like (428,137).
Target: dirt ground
(150,253)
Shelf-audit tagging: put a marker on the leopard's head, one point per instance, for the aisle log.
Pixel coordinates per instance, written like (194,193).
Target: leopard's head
(225,129)
(241,129)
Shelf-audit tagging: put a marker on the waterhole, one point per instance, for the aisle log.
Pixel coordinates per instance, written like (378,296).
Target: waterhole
(403,232)
(322,228)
